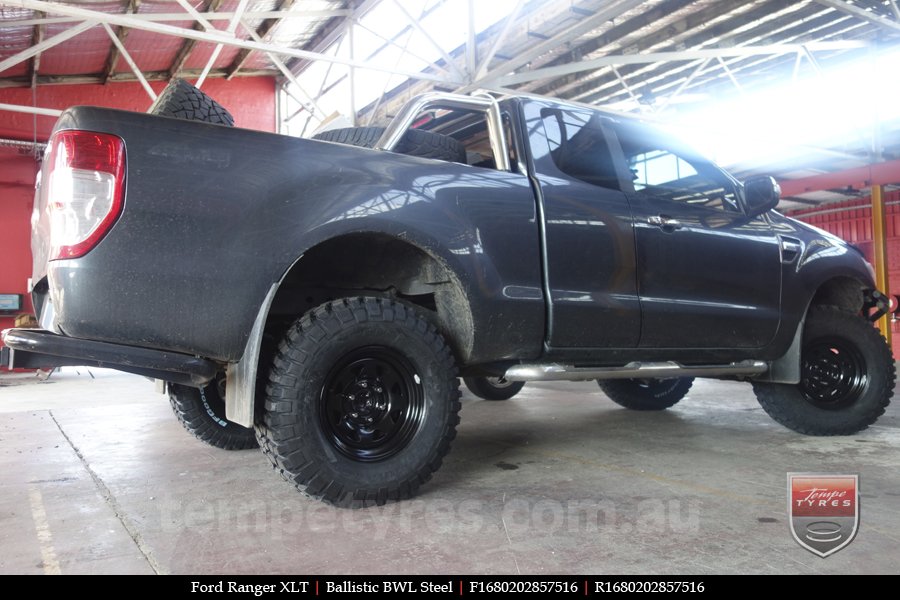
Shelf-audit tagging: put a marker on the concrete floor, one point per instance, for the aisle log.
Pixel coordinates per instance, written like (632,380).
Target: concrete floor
(97,476)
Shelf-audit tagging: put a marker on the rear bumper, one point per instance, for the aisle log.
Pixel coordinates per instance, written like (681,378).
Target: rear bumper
(41,349)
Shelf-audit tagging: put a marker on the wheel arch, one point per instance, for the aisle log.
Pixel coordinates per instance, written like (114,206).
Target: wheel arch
(380,264)
(386,265)
(843,291)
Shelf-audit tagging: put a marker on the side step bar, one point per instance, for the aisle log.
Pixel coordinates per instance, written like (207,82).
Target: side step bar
(633,370)
(41,349)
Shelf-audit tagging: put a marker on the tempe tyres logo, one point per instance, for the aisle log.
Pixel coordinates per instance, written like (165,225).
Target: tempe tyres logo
(824,511)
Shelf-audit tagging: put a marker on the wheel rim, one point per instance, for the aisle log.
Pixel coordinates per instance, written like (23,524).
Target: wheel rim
(372,404)
(499,382)
(833,374)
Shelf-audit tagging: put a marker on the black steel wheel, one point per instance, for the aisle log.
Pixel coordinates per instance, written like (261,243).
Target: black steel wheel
(847,377)
(371,404)
(202,413)
(362,402)
(833,373)
(493,388)
(646,394)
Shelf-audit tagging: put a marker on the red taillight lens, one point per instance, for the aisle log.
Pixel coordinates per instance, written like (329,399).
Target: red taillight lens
(84,184)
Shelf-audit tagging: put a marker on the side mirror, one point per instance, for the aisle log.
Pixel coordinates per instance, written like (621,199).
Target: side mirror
(761,194)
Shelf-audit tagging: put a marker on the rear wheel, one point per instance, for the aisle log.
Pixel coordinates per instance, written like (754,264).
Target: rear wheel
(493,388)
(202,412)
(646,394)
(847,377)
(362,402)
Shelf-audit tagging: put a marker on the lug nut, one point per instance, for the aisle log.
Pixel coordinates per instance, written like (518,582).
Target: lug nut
(370,420)
(354,415)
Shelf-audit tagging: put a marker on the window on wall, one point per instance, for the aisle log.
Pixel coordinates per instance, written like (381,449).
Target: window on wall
(661,169)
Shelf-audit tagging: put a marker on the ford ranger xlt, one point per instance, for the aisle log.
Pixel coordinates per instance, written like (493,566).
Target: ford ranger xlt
(320,297)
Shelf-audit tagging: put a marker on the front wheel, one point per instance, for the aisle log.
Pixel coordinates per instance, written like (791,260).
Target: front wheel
(847,377)
(493,388)
(646,394)
(362,402)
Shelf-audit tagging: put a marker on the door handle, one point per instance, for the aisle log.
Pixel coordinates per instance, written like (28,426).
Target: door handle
(667,224)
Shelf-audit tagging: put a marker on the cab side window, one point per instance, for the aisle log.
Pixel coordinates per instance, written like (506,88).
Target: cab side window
(579,147)
(660,168)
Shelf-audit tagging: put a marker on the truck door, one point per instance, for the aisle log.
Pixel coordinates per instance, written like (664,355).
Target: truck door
(708,275)
(587,229)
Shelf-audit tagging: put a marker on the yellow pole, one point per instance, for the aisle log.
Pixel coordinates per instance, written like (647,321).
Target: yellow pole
(879,238)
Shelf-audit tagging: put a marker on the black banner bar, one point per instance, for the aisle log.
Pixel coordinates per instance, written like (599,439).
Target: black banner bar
(282,587)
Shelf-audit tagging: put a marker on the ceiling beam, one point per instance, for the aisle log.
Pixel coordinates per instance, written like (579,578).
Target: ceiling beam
(404,49)
(265,29)
(32,110)
(214,37)
(417,25)
(187,47)
(22,81)
(332,32)
(232,28)
(37,37)
(57,39)
(290,76)
(603,15)
(683,55)
(894,9)
(684,27)
(629,33)
(787,25)
(134,68)
(189,9)
(756,69)
(482,69)
(121,34)
(209,16)
(861,13)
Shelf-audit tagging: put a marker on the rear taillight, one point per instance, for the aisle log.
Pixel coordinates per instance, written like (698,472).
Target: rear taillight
(84,184)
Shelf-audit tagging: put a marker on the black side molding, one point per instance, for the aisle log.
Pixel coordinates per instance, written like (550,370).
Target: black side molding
(41,349)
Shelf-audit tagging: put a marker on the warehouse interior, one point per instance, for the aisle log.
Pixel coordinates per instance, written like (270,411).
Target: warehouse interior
(99,476)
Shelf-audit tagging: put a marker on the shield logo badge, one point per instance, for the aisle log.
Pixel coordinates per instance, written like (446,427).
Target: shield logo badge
(824,510)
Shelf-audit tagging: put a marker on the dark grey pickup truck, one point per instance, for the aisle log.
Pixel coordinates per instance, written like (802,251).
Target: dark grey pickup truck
(321,298)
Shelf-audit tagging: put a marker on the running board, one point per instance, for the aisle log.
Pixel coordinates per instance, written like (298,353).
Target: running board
(633,370)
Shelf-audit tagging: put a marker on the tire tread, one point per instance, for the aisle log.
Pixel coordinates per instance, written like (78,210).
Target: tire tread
(287,452)
(778,399)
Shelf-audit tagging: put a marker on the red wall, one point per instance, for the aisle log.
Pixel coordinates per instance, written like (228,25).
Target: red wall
(852,221)
(251,100)
(17,173)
